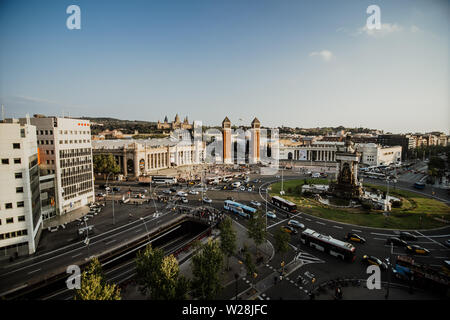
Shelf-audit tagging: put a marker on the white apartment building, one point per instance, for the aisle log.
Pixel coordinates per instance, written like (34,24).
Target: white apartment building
(20,203)
(65,151)
(376,155)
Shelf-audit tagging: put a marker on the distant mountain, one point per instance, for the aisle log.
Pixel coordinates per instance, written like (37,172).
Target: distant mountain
(126,126)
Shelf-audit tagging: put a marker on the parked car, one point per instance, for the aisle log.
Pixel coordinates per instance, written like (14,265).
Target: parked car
(289,229)
(355,237)
(407,236)
(396,242)
(417,249)
(184,200)
(242,188)
(116,189)
(101,194)
(272,215)
(296,224)
(167,191)
(374,261)
(173,190)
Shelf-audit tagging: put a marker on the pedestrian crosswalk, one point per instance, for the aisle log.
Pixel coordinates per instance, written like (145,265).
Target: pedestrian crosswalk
(306,258)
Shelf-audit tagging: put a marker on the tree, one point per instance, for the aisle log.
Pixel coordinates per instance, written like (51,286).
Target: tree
(206,265)
(248,261)
(93,285)
(105,164)
(282,241)
(227,238)
(159,276)
(257,229)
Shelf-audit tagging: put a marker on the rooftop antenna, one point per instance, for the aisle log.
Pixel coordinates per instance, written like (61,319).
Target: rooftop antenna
(3,113)
(28,118)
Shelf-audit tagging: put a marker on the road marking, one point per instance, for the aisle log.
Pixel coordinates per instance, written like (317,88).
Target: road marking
(34,271)
(110,241)
(76,255)
(379,239)
(382,234)
(337,227)
(430,239)
(308,219)
(356,230)
(320,222)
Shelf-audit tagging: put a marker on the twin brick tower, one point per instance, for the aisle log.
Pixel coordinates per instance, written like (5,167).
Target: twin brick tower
(254,142)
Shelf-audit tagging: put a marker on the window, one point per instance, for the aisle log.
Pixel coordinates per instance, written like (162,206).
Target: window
(17,160)
(42,132)
(51,141)
(5,161)
(18,175)
(19,190)
(46,132)
(9,220)
(20,204)
(24,232)
(21,218)
(22,133)
(51,132)
(46,151)
(8,205)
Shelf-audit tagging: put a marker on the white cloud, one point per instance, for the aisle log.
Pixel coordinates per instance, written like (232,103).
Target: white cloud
(325,54)
(415,29)
(386,28)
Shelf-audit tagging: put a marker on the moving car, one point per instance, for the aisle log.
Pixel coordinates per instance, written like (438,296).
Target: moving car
(181,194)
(272,215)
(173,190)
(167,191)
(407,236)
(396,241)
(184,200)
(416,249)
(296,224)
(230,198)
(255,203)
(242,188)
(193,192)
(207,200)
(447,243)
(116,189)
(289,229)
(374,261)
(354,237)
(101,194)
(250,189)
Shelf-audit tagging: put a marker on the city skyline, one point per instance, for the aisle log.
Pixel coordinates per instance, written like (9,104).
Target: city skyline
(291,64)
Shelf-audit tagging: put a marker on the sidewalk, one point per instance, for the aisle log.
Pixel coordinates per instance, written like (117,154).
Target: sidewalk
(67,218)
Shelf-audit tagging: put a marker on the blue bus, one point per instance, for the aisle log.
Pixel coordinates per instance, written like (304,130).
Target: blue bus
(419,185)
(239,208)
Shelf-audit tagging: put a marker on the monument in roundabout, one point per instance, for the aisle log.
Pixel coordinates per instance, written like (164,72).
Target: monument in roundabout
(347,190)
(347,185)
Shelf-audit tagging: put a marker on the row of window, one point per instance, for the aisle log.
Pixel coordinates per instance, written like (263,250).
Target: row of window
(11,220)
(75,162)
(44,132)
(49,152)
(73,132)
(74,153)
(19,204)
(76,179)
(74,141)
(42,142)
(16,161)
(74,195)
(9,235)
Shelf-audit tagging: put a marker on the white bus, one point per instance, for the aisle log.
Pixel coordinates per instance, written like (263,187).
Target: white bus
(337,248)
(164,180)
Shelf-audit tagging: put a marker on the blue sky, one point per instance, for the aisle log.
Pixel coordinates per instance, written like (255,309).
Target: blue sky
(293,63)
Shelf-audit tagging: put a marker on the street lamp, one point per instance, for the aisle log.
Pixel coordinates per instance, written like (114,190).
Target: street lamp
(236,277)
(145,225)
(114,220)
(86,241)
(390,271)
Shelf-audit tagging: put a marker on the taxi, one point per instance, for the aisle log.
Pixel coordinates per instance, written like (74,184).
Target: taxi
(374,261)
(355,238)
(417,249)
